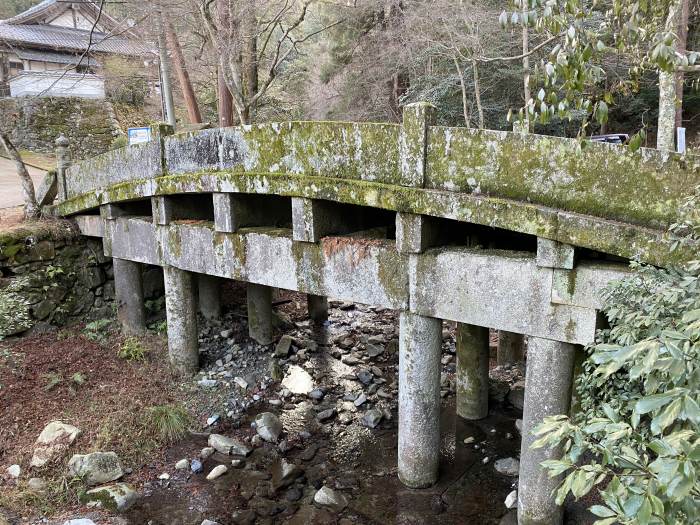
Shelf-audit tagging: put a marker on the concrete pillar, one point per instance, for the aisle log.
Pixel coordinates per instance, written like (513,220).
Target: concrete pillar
(511,348)
(260,313)
(181,310)
(420,343)
(472,371)
(62,164)
(550,366)
(128,287)
(318,307)
(209,296)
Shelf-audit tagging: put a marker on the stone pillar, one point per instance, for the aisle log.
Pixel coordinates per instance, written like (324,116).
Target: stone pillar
(62,165)
(260,313)
(181,310)
(472,371)
(128,287)
(511,348)
(420,342)
(550,366)
(209,296)
(318,307)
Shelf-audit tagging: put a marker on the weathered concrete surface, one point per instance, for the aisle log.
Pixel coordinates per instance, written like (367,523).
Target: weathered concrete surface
(209,290)
(414,233)
(550,367)
(511,348)
(420,341)
(128,285)
(472,377)
(181,312)
(317,306)
(553,254)
(90,225)
(259,300)
(134,239)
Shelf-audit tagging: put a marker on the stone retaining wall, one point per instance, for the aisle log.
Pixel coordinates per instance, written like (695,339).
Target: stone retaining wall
(44,281)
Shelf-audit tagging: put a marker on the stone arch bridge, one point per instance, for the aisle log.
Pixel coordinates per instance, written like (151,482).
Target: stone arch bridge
(489,229)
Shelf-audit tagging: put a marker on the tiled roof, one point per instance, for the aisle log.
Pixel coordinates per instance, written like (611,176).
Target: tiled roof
(31,12)
(54,57)
(69,39)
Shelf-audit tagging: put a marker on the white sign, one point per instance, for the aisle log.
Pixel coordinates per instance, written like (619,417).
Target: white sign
(139,135)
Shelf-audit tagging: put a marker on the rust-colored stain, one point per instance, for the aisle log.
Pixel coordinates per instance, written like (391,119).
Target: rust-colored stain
(356,248)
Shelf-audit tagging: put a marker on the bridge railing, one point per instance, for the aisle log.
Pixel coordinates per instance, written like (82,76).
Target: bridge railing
(601,180)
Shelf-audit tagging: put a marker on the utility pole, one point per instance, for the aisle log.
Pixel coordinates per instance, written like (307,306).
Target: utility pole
(166,88)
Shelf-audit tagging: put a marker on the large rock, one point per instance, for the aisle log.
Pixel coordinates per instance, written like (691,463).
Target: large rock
(117,497)
(298,380)
(516,395)
(508,466)
(268,426)
(228,445)
(283,346)
(53,442)
(333,499)
(96,468)
(284,473)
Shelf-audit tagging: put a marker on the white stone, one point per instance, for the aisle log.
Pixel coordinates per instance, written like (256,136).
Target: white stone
(227,445)
(79,521)
(268,426)
(183,464)
(164,476)
(217,472)
(512,500)
(53,442)
(13,471)
(298,380)
(210,522)
(207,452)
(331,498)
(37,484)
(119,497)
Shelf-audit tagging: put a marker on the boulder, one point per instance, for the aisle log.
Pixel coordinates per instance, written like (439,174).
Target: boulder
(268,426)
(96,468)
(284,473)
(333,499)
(228,445)
(507,466)
(53,442)
(117,497)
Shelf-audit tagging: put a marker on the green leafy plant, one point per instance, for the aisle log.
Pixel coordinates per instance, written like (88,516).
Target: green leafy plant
(160,327)
(98,330)
(637,435)
(132,350)
(52,379)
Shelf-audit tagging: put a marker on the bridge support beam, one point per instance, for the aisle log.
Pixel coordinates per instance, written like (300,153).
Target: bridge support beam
(317,306)
(181,310)
(209,296)
(420,342)
(553,254)
(259,299)
(550,366)
(128,286)
(472,371)
(511,348)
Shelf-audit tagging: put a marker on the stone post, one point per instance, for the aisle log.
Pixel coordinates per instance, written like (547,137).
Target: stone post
(420,342)
(510,348)
(181,311)
(413,142)
(550,366)
(472,371)
(209,296)
(128,287)
(260,313)
(318,307)
(62,165)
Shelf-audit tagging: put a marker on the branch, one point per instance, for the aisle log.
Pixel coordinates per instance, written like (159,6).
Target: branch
(521,56)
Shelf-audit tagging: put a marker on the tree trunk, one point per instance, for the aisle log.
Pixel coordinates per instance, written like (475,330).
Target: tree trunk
(463,86)
(666,126)
(224,94)
(183,76)
(250,58)
(526,71)
(165,85)
(31,208)
(681,45)
(477,94)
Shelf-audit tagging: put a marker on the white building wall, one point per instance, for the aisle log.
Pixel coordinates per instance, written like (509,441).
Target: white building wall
(56,84)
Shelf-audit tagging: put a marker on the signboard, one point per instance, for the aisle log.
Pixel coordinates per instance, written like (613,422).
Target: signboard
(139,135)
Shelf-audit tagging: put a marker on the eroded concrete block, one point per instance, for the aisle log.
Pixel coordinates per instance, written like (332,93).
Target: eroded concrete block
(162,207)
(414,233)
(472,371)
(553,254)
(128,285)
(420,341)
(209,288)
(550,368)
(181,312)
(90,225)
(511,348)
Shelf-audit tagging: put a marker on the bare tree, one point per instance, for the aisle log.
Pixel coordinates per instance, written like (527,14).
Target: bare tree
(183,76)
(31,208)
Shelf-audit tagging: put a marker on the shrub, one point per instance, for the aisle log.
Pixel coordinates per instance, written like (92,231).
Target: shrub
(132,350)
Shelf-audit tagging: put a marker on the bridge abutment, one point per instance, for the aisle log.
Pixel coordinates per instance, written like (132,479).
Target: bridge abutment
(420,343)
(128,285)
(472,371)
(548,382)
(181,312)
